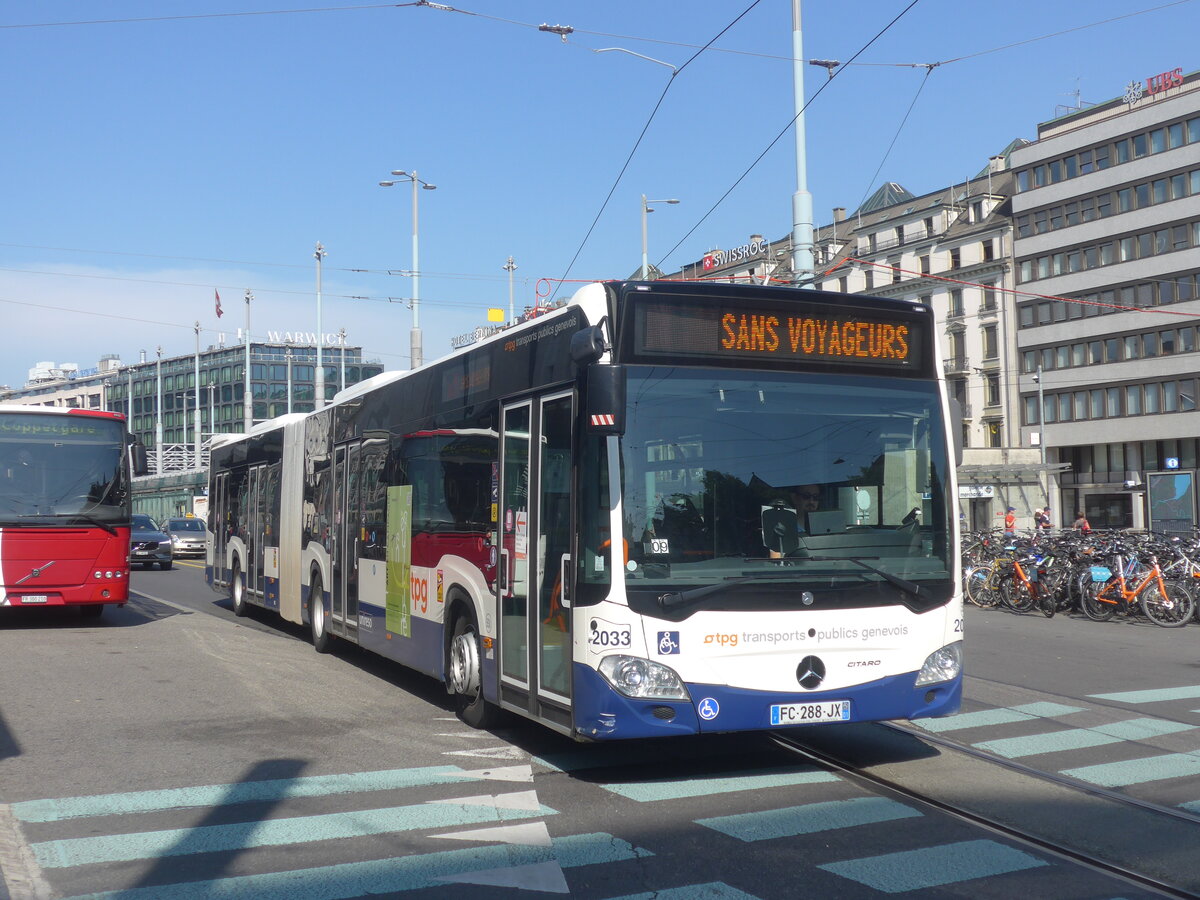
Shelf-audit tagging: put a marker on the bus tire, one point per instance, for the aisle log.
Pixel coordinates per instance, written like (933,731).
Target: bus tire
(237,590)
(316,616)
(464,674)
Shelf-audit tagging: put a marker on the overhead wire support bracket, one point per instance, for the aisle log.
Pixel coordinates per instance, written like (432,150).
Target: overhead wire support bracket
(561,30)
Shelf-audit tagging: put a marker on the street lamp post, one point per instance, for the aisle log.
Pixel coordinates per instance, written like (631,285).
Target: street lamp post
(158,402)
(319,381)
(1043,477)
(647,209)
(417,357)
(510,267)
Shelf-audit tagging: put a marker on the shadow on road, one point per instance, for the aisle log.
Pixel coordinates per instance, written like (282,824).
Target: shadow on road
(138,611)
(261,788)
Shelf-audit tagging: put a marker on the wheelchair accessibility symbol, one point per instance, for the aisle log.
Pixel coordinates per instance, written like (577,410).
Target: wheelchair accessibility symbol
(708,709)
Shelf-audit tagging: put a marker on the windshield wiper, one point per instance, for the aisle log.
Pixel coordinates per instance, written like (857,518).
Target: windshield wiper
(904,584)
(91,520)
(675,599)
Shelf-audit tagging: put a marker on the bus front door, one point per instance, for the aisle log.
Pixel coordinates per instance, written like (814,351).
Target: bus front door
(535,543)
(346,543)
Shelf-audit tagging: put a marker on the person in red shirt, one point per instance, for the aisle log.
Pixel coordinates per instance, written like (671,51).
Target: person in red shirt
(1010,522)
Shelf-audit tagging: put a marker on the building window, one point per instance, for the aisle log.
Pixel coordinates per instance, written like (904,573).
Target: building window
(989,296)
(956,302)
(994,434)
(955,258)
(991,348)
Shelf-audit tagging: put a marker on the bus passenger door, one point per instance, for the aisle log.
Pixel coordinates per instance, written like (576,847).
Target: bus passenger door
(346,544)
(253,534)
(535,542)
(218,526)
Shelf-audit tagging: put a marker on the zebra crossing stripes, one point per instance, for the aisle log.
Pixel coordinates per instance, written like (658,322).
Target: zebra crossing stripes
(809,818)
(1082,738)
(1001,715)
(216,795)
(680,788)
(394,875)
(929,867)
(277,832)
(1138,771)
(1186,692)
(712,890)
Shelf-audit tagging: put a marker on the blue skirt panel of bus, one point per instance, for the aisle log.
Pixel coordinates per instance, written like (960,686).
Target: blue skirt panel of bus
(602,713)
(271,592)
(422,651)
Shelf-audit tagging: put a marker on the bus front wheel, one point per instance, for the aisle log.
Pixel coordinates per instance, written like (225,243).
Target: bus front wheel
(316,615)
(464,675)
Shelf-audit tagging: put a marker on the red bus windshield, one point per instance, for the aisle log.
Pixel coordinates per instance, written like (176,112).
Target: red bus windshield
(62,469)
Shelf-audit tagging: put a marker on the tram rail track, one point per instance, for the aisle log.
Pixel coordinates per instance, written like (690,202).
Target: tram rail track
(1123,837)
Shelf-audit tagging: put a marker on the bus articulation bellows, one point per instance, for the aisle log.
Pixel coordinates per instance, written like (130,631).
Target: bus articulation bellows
(64,507)
(663,508)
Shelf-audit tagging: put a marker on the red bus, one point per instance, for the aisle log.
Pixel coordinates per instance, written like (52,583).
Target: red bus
(65,503)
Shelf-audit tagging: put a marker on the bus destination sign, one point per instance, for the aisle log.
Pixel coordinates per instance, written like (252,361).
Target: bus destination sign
(816,335)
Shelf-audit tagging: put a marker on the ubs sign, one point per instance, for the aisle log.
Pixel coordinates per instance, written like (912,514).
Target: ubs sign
(1155,84)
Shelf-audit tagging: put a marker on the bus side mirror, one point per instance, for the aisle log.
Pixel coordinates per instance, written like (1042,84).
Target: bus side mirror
(956,422)
(137,456)
(604,399)
(588,344)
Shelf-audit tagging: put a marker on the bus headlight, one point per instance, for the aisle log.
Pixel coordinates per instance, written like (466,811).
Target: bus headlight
(942,665)
(642,679)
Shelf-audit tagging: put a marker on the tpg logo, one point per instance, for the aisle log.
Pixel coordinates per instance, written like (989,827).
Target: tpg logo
(724,640)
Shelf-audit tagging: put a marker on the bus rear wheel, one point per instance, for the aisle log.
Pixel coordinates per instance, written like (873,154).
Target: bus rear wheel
(464,675)
(316,616)
(237,590)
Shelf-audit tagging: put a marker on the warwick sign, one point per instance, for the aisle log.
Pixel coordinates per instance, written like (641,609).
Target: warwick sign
(303,338)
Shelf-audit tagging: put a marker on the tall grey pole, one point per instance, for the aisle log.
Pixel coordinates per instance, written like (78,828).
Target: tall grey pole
(802,217)
(247,397)
(289,374)
(196,411)
(417,354)
(158,433)
(342,359)
(1041,414)
(319,401)
(1044,477)
(510,267)
(645,268)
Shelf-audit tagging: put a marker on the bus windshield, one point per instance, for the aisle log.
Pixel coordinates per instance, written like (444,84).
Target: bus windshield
(798,480)
(55,469)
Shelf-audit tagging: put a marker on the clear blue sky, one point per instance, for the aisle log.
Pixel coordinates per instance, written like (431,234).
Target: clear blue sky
(149,163)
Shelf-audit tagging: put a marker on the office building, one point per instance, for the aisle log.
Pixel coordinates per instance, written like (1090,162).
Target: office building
(1106,212)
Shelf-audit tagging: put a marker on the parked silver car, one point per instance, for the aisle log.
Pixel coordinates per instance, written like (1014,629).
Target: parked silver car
(187,534)
(148,545)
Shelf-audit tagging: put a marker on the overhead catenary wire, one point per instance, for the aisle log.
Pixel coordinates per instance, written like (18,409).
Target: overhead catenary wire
(791,123)
(676,72)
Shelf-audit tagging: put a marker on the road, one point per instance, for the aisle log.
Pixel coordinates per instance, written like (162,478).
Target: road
(171,750)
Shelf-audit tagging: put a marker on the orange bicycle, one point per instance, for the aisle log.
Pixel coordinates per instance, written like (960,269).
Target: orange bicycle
(1131,585)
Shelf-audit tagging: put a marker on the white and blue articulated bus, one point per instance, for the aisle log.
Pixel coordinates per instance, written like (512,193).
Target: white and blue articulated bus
(660,508)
